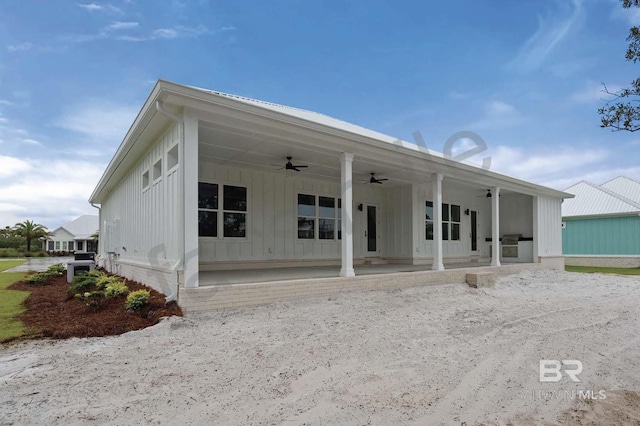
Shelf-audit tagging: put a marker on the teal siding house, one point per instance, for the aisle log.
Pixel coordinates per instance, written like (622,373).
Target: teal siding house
(601,225)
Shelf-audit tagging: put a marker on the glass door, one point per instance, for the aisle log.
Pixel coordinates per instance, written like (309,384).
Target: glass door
(371,232)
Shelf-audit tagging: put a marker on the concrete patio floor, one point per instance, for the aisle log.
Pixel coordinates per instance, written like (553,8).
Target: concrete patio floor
(210,278)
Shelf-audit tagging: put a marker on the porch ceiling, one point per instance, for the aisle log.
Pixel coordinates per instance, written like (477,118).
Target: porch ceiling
(246,149)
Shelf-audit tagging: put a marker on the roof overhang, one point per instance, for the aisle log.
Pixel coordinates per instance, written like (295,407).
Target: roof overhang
(227,111)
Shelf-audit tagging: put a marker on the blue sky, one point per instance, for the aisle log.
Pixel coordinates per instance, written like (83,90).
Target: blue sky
(525,75)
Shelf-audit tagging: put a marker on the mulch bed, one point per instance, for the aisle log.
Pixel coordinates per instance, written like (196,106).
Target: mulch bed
(52,312)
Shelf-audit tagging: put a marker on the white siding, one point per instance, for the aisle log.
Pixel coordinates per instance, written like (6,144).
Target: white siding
(272,217)
(547,217)
(516,214)
(146,220)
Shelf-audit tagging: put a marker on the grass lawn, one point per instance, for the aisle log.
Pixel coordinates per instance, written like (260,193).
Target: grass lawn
(603,270)
(8,264)
(11,306)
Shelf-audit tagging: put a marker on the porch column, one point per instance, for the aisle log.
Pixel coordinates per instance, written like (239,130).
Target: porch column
(189,168)
(346,183)
(437,222)
(495,226)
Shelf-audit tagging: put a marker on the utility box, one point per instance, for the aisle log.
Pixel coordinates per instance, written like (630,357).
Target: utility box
(77,267)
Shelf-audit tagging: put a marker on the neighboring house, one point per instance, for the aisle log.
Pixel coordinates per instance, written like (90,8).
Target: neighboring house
(200,183)
(77,235)
(601,225)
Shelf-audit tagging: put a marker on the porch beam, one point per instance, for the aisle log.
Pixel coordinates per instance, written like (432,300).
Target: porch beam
(189,166)
(495,226)
(346,185)
(438,264)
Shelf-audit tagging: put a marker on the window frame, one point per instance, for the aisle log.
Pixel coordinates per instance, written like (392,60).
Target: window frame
(337,217)
(448,223)
(220,212)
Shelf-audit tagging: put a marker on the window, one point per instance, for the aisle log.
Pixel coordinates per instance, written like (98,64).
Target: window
(80,245)
(306,216)
(145,180)
(70,245)
(429,221)
(450,222)
(235,207)
(50,245)
(157,170)
(64,245)
(207,209)
(233,214)
(172,157)
(322,211)
(57,245)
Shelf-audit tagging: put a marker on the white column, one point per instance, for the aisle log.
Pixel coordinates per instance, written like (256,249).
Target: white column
(495,226)
(437,223)
(189,167)
(346,181)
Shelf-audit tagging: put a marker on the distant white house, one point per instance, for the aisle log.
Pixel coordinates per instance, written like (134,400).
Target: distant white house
(77,235)
(204,183)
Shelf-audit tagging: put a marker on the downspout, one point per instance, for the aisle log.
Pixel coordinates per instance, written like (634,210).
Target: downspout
(173,297)
(99,226)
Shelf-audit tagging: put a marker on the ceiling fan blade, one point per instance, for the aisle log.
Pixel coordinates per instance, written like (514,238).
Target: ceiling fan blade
(381,180)
(301,166)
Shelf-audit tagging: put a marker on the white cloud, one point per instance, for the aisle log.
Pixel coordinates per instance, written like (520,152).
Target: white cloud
(497,114)
(227,28)
(90,6)
(165,33)
(99,121)
(118,25)
(551,31)
(10,166)
(20,47)
(548,167)
(6,102)
(93,7)
(30,141)
(48,191)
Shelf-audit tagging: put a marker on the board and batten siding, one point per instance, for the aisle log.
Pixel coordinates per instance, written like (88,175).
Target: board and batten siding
(145,221)
(602,236)
(547,226)
(272,229)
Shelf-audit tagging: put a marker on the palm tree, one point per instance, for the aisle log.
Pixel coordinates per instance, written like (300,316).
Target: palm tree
(30,230)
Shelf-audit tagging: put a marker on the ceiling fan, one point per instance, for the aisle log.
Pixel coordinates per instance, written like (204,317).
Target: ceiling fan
(290,166)
(373,179)
(487,195)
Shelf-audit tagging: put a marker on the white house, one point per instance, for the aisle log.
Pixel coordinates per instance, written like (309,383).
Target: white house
(77,235)
(204,185)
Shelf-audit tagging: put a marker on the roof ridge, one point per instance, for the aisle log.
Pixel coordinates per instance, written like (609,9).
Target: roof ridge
(246,98)
(616,195)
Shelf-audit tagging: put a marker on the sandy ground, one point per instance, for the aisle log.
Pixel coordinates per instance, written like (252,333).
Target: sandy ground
(443,354)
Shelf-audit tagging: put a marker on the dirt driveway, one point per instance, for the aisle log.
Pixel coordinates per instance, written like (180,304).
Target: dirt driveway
(442,354)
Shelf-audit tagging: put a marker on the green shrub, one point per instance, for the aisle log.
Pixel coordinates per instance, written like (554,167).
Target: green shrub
(39,278)
(104,280)
(42,254)
(82,283)
(56,270)
(115,289)
(96,273)
(91,298)
(136,300)
(9,252)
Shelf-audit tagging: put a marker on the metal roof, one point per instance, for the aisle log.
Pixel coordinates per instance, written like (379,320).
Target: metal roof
(596,200)
(83,227)
(178,96)
(624,186)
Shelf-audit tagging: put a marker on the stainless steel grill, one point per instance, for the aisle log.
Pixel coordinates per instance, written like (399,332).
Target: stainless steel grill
(511,239)
(510,245)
